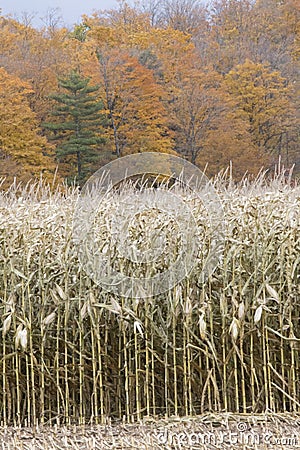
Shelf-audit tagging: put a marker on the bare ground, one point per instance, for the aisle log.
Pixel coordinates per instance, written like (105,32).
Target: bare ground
(210,431)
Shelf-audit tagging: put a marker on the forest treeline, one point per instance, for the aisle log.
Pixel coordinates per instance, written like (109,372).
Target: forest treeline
(212,83)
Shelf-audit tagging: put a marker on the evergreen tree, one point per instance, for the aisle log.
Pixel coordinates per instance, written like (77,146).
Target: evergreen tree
(78,122)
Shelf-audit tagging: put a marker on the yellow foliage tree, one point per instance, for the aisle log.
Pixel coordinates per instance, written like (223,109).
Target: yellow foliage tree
(21,145)
(36,59)
(262,97)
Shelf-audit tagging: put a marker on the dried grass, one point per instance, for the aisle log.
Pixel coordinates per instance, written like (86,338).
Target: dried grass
(72,353)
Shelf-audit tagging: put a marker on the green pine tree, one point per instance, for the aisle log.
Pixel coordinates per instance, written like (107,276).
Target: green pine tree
(78,122)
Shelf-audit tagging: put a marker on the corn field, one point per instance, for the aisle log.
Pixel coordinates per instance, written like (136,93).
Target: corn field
(73,353)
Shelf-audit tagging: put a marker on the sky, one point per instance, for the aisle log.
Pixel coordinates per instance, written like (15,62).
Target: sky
(70,10)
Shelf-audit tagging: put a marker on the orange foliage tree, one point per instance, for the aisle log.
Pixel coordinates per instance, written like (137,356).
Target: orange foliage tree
(131,96)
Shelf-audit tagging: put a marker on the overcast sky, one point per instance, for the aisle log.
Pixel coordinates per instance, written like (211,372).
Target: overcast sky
(70,10)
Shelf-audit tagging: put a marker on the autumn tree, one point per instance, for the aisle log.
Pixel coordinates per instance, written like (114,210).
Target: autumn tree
(264,31)
(194,108)
(22,148)
(227,39)
(183,15)
(229,143)
(78,125)
(35,58)
(275,33)
(216,84)
(262,97)
(53,21)
(137,117)
(208,129)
